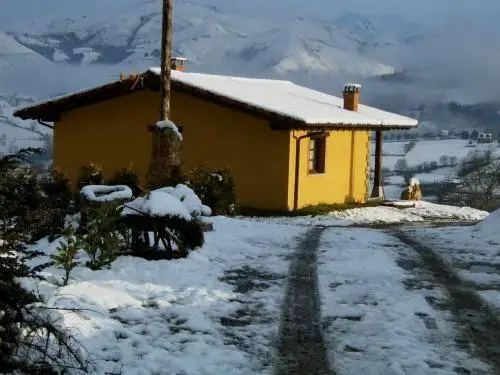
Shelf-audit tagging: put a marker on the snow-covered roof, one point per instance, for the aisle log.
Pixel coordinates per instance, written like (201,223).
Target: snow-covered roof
(290,100)
(270,98)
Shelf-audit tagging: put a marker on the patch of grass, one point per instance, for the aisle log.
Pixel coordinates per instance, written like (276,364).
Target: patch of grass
(323,208)
(311,210)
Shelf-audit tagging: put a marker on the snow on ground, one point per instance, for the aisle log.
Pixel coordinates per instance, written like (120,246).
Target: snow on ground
(394,180)
(218,311)
(215,312)
(395,148)
(422,211)
(474,251)
(374,323)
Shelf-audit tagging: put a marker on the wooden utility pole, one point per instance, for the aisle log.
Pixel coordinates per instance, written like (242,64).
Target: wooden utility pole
(165,163)
(166,58)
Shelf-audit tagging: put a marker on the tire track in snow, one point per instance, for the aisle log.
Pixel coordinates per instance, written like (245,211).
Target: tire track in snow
(476,320)
(301,348)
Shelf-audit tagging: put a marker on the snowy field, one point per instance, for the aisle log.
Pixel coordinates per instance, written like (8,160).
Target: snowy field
(474,251)
(428,151)
(425,151)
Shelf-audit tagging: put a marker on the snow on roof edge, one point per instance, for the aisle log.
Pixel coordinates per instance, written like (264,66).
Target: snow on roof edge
(156,70)
(362,118)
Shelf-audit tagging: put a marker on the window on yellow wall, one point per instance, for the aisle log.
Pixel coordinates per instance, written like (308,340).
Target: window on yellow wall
(316,156)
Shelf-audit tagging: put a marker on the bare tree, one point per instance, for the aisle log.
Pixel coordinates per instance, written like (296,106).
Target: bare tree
(401,165)
(479,178)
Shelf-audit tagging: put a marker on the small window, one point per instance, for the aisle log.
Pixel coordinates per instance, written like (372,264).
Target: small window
(316,156)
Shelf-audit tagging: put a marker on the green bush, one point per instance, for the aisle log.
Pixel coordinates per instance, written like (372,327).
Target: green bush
(67,251)
(20,195)
(215,188)
(56,186)
(126,176)
(102,240)
(188,235)
(58,202)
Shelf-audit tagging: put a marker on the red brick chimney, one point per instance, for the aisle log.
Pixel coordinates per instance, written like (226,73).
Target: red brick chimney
(178,63)
(351,96)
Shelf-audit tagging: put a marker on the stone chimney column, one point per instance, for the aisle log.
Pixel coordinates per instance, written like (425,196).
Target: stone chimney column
(351,96)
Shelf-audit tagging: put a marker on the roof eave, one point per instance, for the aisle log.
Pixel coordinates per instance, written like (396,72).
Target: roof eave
(302,125)
(52,109)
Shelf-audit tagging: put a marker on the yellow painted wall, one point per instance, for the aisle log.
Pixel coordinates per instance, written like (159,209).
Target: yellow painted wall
(220,137)
(111,133)
(114,134)
(345,178)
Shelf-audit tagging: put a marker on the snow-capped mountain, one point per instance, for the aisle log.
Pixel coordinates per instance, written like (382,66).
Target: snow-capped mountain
(17,63)
(400,63)
(128,32)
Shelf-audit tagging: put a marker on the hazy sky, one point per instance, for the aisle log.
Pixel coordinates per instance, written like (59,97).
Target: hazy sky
(461,52)
(418,10)
(434,11)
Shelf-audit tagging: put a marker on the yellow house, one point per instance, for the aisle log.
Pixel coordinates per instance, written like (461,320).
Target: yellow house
(287,146)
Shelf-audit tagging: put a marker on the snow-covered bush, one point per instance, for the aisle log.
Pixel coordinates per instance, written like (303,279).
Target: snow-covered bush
(102,240)
(92,196)
(189,199)
(106,193)
(215,188)
(173,213)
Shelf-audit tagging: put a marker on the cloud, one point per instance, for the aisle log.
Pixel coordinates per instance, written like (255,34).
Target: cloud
(461,58)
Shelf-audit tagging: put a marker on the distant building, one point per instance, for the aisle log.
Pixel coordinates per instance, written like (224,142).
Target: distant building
(444,133)
(485,138)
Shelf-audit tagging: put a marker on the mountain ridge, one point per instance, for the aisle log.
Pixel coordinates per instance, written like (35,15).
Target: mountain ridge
(90,43)
(206,35)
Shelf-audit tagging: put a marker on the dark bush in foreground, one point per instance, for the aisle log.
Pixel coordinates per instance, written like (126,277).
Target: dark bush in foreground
(177,235)
(126,176)
(30,341)
(90,174)
(216,189)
